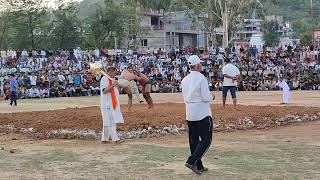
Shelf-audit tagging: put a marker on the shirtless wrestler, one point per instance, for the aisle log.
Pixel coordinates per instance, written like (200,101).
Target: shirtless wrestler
(146,87)
(126,76)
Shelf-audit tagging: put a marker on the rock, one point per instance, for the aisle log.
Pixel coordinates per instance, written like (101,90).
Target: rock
(13,150)
(149,128)
(2,148)
(14,139)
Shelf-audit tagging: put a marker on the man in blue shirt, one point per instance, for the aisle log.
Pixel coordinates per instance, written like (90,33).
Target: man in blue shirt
(13,90)
(77,80)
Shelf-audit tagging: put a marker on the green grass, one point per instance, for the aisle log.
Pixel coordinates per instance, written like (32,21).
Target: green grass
(270,160)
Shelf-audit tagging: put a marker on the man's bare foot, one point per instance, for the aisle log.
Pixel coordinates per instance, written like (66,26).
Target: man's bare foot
(119,141)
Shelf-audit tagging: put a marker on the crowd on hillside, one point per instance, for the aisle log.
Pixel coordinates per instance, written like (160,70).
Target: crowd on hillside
(65,73)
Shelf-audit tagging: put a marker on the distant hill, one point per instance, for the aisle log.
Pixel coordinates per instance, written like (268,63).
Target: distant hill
(290,9)
(293,10)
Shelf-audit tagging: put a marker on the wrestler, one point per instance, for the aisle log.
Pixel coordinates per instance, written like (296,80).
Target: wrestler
(126,77)
(146,87)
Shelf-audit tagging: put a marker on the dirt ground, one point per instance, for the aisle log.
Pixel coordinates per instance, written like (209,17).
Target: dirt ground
(290,152)
(166,114)
(298,98)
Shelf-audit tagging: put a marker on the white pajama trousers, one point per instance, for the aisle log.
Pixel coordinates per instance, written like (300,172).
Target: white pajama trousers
(135,89)
(285,96)
(110,130)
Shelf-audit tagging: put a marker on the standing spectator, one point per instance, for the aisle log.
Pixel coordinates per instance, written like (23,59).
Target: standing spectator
(197,98)
(231,73)
(285,91)
(13,90)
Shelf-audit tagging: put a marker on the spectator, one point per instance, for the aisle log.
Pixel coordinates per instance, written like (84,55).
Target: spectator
(259,66)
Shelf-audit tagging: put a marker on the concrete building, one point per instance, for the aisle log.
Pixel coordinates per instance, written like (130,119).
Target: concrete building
(169,30)
(316,35)
(247,29)
(250,31)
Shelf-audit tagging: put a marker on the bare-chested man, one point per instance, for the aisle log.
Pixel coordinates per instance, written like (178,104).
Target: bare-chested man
(127,76)
(146,87)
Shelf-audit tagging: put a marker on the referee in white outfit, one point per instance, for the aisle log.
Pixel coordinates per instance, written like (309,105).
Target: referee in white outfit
(197,97)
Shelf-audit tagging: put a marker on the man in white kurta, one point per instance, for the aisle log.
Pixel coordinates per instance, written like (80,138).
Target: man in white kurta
(111,116)
(285,91)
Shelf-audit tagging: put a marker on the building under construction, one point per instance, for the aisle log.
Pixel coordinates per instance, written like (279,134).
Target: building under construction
(168,30)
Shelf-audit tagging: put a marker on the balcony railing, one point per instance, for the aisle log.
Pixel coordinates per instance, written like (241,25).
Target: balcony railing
(185,28)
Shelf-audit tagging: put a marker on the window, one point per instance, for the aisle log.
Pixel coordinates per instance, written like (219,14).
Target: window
(144,42)
(154,21)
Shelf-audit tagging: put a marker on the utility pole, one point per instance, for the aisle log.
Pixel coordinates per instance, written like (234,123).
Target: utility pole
(312,20)
(211,28)
(225,25)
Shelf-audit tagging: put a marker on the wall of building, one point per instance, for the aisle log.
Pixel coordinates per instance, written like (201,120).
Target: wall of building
(317,36)
(202,40)
(155,39)
(146,22)
(176,31)
(189,40)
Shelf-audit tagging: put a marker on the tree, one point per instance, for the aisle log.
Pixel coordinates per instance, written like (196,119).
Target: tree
(4,22)
(66,28)
(109,25)
(27,18)
(270,33)
(306,39)
(155,4)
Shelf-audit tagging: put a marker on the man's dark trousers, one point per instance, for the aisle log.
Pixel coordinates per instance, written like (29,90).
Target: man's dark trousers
(13,98)
(200,138)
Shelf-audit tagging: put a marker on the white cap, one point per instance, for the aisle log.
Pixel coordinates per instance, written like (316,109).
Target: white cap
(194,60)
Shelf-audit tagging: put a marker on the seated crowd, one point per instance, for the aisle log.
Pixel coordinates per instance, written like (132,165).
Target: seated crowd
(65,73)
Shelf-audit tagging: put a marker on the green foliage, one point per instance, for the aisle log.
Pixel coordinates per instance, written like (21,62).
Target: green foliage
(4,27)
(97,23)
(306,39)
(26,22)
(66,31)
(109,22)
(270,33)
(155,4)
(298,12)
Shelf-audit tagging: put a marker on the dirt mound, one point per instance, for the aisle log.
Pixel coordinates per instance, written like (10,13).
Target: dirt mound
(165,115)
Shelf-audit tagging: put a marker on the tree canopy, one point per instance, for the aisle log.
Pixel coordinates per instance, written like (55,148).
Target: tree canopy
(104,23)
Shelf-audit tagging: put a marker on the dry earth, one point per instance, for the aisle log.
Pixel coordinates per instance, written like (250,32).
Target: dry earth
(290,152)
(165,115)
(299,98)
